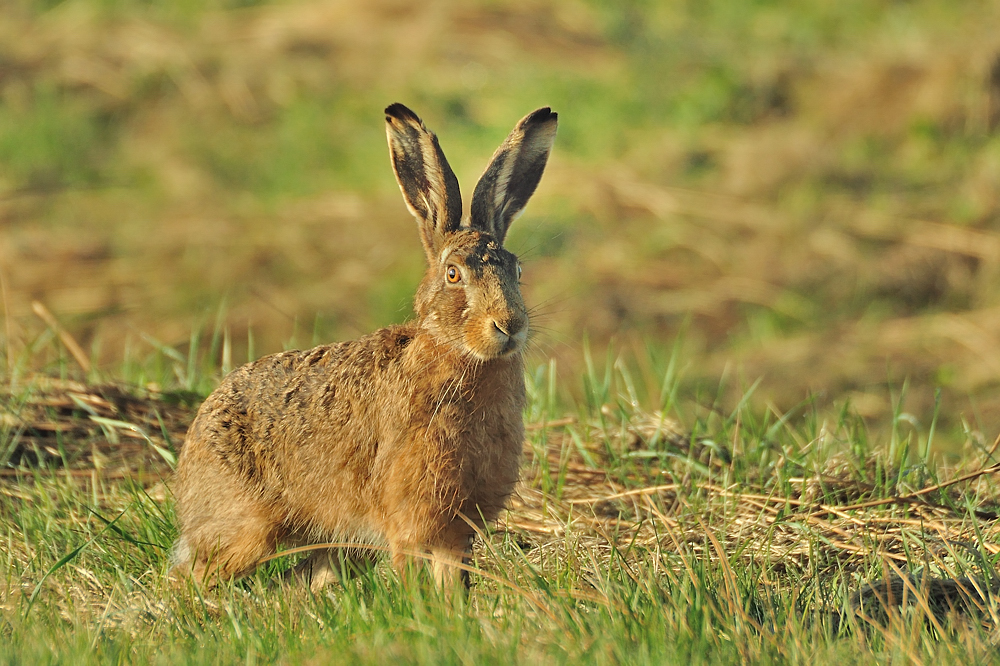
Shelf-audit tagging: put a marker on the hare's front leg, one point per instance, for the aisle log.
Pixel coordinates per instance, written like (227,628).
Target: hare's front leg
(449,567)
(445,555)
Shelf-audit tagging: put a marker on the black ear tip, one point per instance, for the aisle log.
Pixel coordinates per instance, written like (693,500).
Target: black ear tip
(398,111)
(542,115)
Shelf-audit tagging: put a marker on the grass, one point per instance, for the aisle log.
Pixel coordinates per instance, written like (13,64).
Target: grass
(736,537)
(809,188)
(803,194)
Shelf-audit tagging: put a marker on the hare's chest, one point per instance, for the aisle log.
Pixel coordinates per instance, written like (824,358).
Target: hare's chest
(491,461)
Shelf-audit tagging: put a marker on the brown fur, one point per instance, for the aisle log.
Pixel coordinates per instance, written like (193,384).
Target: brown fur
(399,438)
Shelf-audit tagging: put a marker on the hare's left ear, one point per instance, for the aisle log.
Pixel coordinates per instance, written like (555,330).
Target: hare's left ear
(427,182)
(513,173)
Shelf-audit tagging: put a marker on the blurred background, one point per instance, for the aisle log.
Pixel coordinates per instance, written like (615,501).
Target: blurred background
(799,191)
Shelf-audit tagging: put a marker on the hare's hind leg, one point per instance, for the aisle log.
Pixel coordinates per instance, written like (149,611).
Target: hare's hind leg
(224,532)
(235,550)
(332,565)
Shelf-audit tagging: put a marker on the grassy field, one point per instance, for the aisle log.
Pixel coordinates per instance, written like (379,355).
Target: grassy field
(764,260)
(732,536)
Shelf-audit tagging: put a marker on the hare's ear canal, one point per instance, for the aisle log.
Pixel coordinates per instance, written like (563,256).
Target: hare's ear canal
(427,182)
(513,173)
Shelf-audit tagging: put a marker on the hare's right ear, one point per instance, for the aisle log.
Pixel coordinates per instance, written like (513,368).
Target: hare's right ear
(427,182)
(513,173)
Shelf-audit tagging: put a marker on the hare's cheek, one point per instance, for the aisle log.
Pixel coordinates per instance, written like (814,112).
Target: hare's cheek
(452,308)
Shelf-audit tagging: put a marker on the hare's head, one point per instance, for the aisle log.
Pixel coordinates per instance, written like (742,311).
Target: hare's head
(470,297)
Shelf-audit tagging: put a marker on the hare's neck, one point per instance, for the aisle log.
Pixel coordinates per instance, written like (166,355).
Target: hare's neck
(497,387)
(498,383)
(496,375)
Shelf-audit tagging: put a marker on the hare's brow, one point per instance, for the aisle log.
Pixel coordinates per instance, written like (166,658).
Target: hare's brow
(486,251)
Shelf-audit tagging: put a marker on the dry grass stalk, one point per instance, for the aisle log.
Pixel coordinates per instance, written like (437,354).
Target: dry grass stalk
(64,336)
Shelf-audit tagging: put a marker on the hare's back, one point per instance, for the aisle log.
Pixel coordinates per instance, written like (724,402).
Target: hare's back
(269,411)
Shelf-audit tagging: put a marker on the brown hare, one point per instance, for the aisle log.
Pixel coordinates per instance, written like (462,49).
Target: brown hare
(405,438)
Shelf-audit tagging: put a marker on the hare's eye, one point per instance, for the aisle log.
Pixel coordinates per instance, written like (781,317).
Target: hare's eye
(519,271)
(453,275)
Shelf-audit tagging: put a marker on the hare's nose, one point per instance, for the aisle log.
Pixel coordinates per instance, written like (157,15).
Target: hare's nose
(510,327)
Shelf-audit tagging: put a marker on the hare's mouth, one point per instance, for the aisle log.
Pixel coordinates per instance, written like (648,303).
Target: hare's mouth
(515,343)
(498,340)
(510,349)
(509,338)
